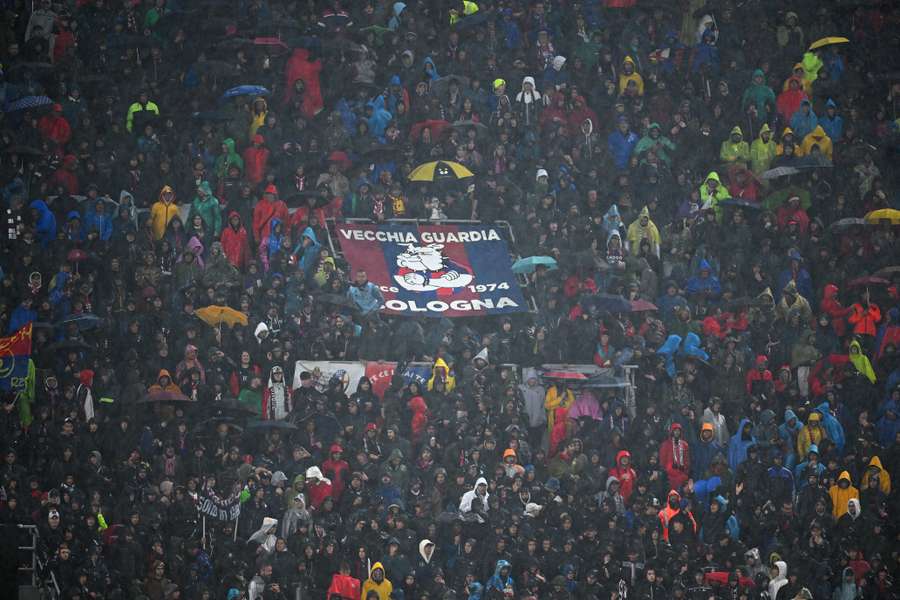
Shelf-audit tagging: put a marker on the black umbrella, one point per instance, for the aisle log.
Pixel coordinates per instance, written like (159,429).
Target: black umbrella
(336,300)
(272,425)
(612,303)
(228,408)
(66,345)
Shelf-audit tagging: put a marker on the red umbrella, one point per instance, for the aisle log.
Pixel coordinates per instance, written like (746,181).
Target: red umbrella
(271,41)
(867,281)
(641,305)
(437,127)
(76,255)
(340,158)
(565,375)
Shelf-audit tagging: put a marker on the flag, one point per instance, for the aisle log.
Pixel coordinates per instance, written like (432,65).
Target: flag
(26,397)
(15,352)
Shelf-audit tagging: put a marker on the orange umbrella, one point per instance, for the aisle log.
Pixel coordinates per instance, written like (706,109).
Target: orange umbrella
(215,316)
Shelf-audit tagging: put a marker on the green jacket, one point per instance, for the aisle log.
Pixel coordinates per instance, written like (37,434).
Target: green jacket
(231,157)
(735,151)
(762,153)
(137,107)
(758,96)
(661,145)
(209,210)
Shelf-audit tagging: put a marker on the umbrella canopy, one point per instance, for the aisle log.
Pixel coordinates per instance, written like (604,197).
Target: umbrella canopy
(828,41)
(867,281)
(66,345)
(779,172)
(437,127)
(776,199)
(884,215)
(565,376)
(245,90)
(76,255)
(441,169)
(336,300)
(271,425)
(531,263)
(23,151)
(340,158)
(741,203)
(481,130)
(27,102)
(642,306)
(847,223)
(163,396)
(440,86)
(888,271)
(84,321)
(217,315)
(606,303)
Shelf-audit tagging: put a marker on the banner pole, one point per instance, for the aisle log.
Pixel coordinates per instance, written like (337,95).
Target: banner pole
(204,532)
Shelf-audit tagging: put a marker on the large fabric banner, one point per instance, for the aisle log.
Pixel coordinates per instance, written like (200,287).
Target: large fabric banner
(322,371)
(435,270)
(380,374)
(15,351)
(223,509)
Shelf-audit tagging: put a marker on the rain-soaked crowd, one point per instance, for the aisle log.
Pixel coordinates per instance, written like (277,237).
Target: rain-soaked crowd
(724,170)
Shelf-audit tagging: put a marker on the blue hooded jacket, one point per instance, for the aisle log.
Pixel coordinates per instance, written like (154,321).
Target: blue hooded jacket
(621,146)
(833,126)
(668,349)
(787,432)
(21,317)
(380,118)
(801,124)
(46,223)
(310,254)
(497,581)
(101,224)
(709,284)
(737,448)
(434,72)
(833,428)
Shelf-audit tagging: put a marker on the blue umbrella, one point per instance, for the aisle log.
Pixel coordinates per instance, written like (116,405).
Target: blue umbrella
(606,303)
(84,321)
(29,102)
(529,264)
(245,90)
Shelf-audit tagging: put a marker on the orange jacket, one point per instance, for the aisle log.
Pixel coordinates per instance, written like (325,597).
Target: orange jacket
(864,318)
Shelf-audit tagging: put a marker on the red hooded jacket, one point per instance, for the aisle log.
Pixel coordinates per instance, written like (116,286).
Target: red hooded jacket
(420,417)
(625,475)
(675,457)
(235,243)
(256,160)
(832,307)
(266,210)
(300,67)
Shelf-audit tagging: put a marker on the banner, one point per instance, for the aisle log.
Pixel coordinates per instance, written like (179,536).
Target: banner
(209,504)
(435,270)
(322,371)
(380,374)
(15,351)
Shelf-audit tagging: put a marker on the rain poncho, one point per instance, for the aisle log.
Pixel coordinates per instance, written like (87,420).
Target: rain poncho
(759,95)
(638,231)
(45,227)
(861,361)
(840,496)
(735,151)
(209,209)
(228,159)
(465,503)
(762,153)
(803,123)
(737,448)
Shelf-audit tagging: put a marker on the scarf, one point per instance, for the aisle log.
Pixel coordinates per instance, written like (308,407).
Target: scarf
(277,400)
(677,453)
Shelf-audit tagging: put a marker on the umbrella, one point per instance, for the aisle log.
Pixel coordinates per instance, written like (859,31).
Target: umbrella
(441,169)
(214,422)
(228,408)
(23,151)
(327,426)
(164,396)
(215,316)
(216,67)
(84,321)
(437,127)
(640,305)
(530,264)
(867,281)
(884,215)
(776,199)
(245,90)
(66,345)
(828,41)
(76,255)
(606,302)
(336,300)
(212,115)
(740,203)
(779,172)
(29,102)
(440,86)
(271,425)
(565,376)
(340,158)
(846,224)
(605,382)
(481,129)
(888,271)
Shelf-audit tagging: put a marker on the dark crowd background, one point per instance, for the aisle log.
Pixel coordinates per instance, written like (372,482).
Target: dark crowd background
(697,157)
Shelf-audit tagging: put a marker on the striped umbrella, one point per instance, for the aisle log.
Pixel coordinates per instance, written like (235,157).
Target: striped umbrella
(29,102)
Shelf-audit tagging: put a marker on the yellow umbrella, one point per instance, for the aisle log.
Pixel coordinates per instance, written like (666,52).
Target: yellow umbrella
(440,169)
(215,315)
(877,217)
(827,41)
